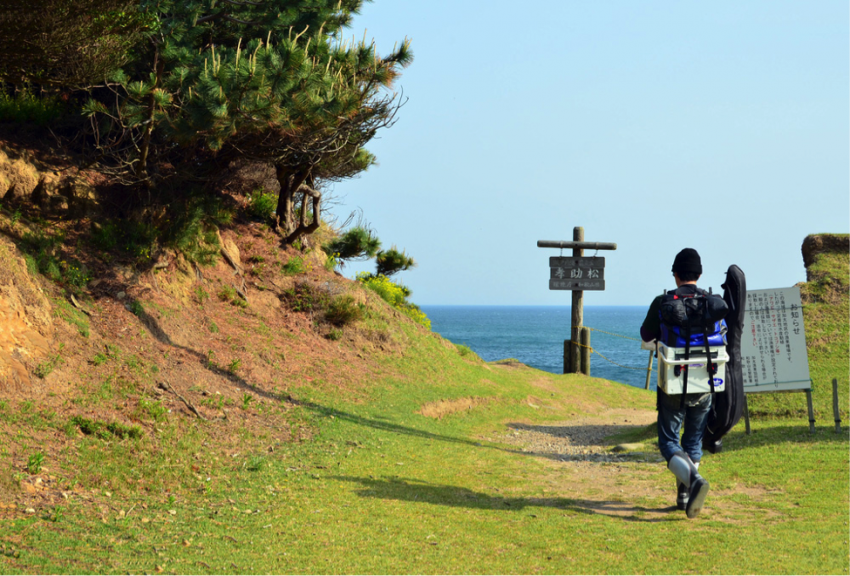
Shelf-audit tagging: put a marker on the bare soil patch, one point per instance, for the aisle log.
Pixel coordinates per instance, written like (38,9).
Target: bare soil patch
(445,407)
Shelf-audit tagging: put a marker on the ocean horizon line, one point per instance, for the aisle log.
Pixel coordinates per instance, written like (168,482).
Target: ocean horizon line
(531,306)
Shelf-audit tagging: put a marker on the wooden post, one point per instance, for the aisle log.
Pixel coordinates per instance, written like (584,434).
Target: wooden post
(835,406)
(567,274)
(649,370)
(811,411)
(585,350)
(746,415)
(577,320)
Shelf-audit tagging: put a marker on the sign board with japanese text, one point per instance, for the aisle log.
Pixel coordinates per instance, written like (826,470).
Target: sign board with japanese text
(576,273)
(773,344)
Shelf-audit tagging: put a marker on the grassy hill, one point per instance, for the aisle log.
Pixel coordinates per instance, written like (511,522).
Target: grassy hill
(826,310)
(162,421)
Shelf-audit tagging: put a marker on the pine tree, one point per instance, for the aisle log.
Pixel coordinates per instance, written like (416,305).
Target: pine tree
(266,80)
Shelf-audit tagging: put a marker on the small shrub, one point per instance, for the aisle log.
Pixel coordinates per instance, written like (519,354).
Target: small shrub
(234,365)
(104,431)
(246,400)
(229,294)
(343,310)
(99,359)
(255,464)
(295,265)
(332,261)
(396,295)
(90,427)
(464,350)
(46,367)
(137,308)
(123,431)
(56,515)
(35,462)
(105,235)
(257,270)
(334,335)
(153,408)
(130,236)
(74,274)
(262,205)
(303,298)
(43,255)
(201,295)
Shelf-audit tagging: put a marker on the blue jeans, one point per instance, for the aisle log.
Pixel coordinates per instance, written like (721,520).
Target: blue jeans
(670,419)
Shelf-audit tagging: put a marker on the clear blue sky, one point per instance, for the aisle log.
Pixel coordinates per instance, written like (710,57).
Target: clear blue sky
(720,126)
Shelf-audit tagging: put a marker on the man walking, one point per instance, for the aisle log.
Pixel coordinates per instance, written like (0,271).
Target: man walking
(682,459)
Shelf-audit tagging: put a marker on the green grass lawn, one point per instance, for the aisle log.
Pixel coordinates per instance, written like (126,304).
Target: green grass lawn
(375,486)
(382,489)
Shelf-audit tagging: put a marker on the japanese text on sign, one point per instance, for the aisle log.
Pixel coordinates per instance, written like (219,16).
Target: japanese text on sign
(773,344)
(576,273)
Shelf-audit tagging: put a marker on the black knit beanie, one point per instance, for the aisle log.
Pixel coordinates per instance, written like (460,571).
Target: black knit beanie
(687,261)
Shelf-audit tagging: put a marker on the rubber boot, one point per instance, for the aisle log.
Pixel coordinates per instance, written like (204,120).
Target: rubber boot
(688,475)
(682,493)
(681,496)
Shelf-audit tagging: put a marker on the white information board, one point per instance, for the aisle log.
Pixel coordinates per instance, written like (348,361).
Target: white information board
(773,345)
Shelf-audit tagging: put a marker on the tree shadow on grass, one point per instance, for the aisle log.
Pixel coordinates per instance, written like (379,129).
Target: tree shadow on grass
(162,336)
(377,422)
(410,490)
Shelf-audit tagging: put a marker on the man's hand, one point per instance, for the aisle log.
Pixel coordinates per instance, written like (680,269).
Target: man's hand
(651,345)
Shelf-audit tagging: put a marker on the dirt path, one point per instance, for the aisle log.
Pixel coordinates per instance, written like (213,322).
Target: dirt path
(586,468)
(625,484)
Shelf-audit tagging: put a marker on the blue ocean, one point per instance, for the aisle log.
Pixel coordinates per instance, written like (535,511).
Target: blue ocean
(535,336)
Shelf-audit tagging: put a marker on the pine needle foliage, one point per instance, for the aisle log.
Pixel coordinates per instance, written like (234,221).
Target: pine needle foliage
(354,244)
(392,261)
(272,80)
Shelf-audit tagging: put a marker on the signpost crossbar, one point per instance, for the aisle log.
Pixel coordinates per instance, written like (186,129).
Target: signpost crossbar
(580,245)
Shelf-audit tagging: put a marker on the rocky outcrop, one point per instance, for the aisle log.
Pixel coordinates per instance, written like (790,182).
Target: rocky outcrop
(26,322)
(65,192)
(815,244)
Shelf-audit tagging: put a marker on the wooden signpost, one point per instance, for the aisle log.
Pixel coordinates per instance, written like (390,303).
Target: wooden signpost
(577,274)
